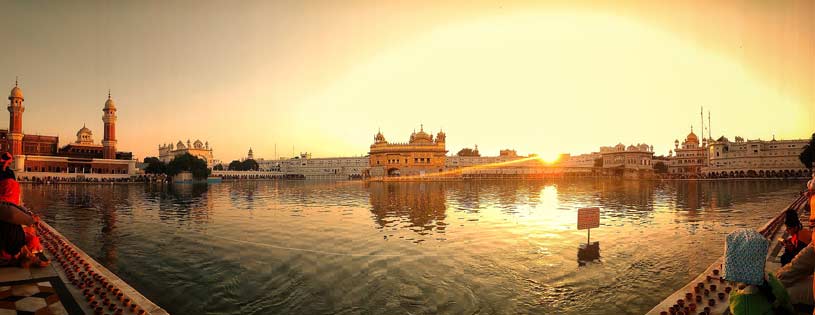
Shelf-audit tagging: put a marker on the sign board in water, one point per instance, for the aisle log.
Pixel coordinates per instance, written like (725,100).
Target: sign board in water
(588,218)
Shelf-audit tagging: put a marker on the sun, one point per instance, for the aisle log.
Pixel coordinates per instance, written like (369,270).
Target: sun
(549,158)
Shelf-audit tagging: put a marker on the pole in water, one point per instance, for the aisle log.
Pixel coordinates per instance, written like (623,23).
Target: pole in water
(588,237)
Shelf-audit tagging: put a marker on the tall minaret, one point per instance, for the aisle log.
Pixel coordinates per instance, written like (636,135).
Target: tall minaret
(15,123)
(109,142)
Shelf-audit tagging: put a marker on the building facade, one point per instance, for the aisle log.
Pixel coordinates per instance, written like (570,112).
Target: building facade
(687,160)
(201,150)
(584,164)
(755,158)
(631,161)
(41,156)
(317,168)
(422,155)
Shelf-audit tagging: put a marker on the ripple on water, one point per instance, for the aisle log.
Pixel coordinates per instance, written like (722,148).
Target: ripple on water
(394,248)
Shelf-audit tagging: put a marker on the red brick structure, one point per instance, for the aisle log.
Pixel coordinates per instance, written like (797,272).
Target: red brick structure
(15,123)
(42,154)
(109,142)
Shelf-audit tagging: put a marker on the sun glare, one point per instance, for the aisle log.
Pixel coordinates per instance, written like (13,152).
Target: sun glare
(549,158)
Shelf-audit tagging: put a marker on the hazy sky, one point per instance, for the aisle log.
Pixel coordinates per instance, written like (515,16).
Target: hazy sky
(323,76)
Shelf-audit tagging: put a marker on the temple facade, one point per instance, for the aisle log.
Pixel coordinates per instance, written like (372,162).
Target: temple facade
(41,156)
(421,155)
(687,160)
(201,150)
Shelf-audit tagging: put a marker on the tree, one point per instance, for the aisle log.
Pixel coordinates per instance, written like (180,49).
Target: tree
(808,153)
(468,152)
(235,166)
(188,163)
(154,165)
(218,167)
(249,165)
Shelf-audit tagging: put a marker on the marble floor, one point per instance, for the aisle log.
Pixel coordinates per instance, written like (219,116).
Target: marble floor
(36,291)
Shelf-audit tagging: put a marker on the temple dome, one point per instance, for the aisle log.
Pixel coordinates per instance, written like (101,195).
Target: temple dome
(692,137)
(379,138)
(84,130)
(421,136)
(84,136)
(198,144)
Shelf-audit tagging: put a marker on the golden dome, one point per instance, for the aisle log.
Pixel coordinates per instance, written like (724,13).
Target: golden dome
(421,136)
(692,137)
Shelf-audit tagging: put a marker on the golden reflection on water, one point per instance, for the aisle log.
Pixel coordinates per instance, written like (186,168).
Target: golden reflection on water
(397,247)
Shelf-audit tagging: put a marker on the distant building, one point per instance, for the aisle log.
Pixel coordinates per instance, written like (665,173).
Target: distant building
(688,159)
(631,161)
(167,152)
(457,161)
(421,155)
(755,158)
(37,155)
(317,168)
(583,164)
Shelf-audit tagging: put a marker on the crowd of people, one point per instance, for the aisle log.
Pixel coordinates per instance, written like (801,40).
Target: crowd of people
(260,176)
(251,176)
(58,180)
(776,292)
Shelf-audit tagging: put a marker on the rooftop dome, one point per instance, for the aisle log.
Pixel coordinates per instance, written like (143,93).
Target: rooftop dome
(84,130)
(109,103)
(16,92)
(692,137)
(84,136)
(421,136)
(379,138)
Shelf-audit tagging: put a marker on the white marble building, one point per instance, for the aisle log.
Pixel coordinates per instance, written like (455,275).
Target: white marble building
(202,150)
(755,158)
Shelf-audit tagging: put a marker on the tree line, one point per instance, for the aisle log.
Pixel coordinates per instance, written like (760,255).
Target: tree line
(181,163)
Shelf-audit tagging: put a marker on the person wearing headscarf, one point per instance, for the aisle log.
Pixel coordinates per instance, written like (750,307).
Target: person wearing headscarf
(756,292)
(19,243)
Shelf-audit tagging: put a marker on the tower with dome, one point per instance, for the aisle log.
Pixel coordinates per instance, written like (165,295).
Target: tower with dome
(41,155)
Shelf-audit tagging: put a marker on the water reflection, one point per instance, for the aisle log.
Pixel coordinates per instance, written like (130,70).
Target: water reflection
(182,203)
(418,207)
(497,247)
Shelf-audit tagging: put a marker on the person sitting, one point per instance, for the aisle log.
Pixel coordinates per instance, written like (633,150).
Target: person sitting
(756,292)
(798,238)
(19,243)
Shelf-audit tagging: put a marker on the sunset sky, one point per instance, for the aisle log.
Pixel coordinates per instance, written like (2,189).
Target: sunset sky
(324,76)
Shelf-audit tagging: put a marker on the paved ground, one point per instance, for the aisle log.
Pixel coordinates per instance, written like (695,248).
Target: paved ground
(37,291)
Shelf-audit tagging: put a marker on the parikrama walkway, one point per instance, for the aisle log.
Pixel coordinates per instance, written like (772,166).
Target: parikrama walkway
(72,284)
(709,294)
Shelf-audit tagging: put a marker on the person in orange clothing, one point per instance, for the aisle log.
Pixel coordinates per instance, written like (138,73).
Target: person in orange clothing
(30,253)
(798,238)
